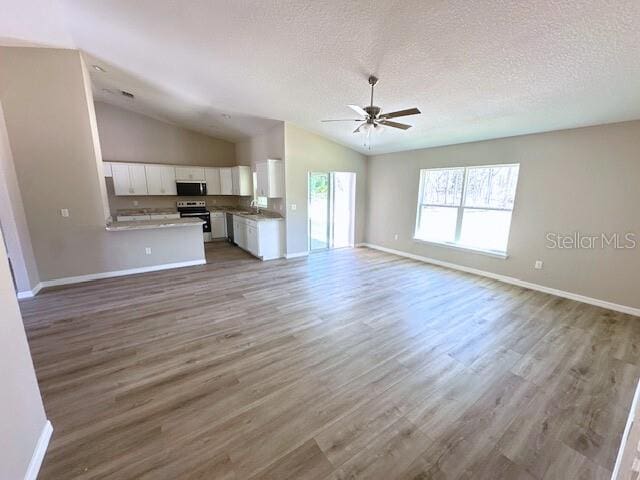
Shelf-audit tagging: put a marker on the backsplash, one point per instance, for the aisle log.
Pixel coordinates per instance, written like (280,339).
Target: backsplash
(147,201)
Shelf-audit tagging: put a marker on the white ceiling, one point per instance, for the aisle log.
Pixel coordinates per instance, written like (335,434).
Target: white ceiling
(476,69)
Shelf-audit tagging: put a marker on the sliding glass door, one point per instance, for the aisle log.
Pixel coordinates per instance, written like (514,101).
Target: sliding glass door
(319,207)
(331,210)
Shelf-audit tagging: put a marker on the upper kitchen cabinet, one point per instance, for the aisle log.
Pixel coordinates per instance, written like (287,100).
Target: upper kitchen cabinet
(190,174)
(161,180)
(129,179)
(242,181)
(226,181)
(270,178)
(212,177)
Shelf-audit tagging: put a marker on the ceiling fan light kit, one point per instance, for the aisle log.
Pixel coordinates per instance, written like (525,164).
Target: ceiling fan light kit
(373,120)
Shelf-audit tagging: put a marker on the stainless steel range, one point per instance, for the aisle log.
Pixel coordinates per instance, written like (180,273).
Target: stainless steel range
(197,208)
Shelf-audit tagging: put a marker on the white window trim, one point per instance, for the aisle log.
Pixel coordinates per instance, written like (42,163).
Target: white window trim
(461,208)
(455,246)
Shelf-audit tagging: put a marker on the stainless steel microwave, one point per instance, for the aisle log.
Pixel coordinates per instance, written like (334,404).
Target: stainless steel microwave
(191,189)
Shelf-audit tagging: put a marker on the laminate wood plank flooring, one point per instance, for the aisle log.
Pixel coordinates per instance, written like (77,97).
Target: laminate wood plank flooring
(348,364)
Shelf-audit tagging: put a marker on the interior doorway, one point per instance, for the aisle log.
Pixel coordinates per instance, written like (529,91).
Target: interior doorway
(331,210)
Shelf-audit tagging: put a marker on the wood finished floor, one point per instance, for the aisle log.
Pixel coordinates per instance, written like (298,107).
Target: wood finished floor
(347,364)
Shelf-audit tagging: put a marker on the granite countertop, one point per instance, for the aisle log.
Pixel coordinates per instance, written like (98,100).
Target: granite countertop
(146,211)
(151,224)
(243,212)
(259,217)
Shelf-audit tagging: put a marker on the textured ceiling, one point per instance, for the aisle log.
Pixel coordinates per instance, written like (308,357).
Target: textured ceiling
(476,69)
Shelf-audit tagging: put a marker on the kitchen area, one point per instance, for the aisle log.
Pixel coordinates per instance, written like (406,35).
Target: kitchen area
(228,202)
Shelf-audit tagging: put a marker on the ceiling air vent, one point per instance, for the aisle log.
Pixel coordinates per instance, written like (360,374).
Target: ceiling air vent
(127,94)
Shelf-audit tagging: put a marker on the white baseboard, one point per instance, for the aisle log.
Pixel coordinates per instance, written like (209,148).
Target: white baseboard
(296,255)
(511,281)
(30,293)
(39,451)
(119,273)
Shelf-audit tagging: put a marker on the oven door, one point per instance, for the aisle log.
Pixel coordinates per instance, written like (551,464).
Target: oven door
(206,217)
(191,189)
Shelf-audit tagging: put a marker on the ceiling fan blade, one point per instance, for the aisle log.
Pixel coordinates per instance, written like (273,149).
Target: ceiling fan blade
(358,129)
(358,110)
(388,123)
(344,120)
(401,113)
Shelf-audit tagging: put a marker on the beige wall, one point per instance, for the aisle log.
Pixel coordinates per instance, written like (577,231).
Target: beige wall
(583,180)
(48,119)
(261,147)
(131,137)
(22,415)
(13,221)
(307,152)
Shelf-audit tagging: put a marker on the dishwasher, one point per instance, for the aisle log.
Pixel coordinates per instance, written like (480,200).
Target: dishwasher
(230,227)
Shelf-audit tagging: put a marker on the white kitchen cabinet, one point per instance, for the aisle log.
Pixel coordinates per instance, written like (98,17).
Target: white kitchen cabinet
(242,181)
(270,178)
(212,177)
(239,232)
(161,180)
(226,181)
(263,239)
(252,238)
(218,225)
(190,173)
(129,179)
(108,172)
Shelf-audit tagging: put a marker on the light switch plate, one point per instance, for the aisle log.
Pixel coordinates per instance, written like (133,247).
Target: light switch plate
(294,206)
(538,265)
(64,212)
(147,251)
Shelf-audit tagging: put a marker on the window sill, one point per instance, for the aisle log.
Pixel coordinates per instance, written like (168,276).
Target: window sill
(453,246)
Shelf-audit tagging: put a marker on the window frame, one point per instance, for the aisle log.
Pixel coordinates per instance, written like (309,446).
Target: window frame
(460,210)
(261,202)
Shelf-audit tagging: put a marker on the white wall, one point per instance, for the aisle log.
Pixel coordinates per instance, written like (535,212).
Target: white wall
(22,416)
(307,152)
(583,180)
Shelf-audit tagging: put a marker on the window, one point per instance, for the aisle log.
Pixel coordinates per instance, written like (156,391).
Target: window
(260,201)
(467,207)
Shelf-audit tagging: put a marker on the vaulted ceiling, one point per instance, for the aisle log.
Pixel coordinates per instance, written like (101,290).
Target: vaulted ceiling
(476,69)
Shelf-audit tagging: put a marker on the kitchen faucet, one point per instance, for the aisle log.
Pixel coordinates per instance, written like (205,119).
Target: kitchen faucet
(254,204)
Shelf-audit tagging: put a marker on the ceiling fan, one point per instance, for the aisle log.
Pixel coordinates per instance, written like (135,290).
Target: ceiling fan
(373,119)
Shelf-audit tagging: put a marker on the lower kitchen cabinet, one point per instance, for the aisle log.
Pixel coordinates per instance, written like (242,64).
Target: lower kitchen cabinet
(263,239)
(218,224)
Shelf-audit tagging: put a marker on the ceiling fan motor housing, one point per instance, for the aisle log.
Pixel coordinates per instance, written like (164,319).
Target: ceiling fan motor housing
(372,111)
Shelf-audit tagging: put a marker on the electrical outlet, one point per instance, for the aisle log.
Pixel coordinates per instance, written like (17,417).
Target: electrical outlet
(395,237)
(538,265)
(136,203)
(294,206)
(64,212)
(147,251)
